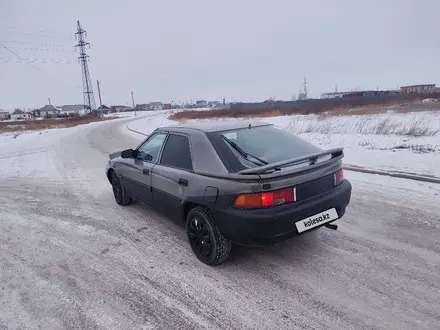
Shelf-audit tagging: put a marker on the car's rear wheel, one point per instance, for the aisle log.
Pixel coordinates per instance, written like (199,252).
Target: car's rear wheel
(121,196)
(206,241)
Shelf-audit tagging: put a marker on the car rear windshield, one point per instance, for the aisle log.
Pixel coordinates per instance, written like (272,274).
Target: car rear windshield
(268,144)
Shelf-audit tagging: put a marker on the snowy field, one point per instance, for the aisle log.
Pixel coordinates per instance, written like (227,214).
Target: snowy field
(388,142)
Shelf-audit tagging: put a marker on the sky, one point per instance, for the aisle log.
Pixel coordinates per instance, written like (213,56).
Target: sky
(241,50)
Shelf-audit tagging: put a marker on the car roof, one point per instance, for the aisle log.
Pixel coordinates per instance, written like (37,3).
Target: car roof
(216,126)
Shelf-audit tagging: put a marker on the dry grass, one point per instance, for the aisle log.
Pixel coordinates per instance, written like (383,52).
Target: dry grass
(183,116)
(364,126)
(376,110)
(34,125)
(338,108)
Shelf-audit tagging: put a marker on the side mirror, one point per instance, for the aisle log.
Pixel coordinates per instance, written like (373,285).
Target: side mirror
(129,153)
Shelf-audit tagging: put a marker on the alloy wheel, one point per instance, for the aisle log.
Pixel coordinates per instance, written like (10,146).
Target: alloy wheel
(200,237)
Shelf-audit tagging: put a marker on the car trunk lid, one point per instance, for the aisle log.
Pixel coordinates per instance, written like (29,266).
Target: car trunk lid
(309,175)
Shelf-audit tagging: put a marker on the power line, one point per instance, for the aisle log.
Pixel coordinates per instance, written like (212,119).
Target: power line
(35,67)
(40,35)
(32,30)
(33,43)
(44,49)
(41,60)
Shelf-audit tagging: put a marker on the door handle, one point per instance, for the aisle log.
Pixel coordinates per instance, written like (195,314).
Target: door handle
(183,182)
(146,171)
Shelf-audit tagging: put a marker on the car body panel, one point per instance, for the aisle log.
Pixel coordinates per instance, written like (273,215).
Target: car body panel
(135,178)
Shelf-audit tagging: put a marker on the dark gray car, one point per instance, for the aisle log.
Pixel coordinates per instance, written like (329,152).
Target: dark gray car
(233,182)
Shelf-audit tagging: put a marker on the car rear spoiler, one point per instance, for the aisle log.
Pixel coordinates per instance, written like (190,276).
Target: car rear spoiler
(336,153)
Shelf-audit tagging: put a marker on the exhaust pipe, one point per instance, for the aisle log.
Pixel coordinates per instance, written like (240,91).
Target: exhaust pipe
(331,226)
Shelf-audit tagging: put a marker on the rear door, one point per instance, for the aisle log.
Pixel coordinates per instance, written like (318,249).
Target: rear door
(171,177)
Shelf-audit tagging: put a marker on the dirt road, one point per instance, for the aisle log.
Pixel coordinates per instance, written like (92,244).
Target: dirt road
(70,258)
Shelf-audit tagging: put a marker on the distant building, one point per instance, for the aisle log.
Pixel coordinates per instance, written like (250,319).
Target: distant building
(201,103)
(71,107)
(20,115)
(142,107)
(427,88)
(213,104)
(104,109)
(4,115)
(48,111)
(167,106)
(333,95)
(156,106)
(120,108)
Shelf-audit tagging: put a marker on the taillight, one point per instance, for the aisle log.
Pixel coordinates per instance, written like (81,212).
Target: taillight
(339,177)
(266,199)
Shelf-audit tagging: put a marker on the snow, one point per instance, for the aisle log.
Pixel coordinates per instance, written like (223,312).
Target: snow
(127,114)
(149,123)
(386,142)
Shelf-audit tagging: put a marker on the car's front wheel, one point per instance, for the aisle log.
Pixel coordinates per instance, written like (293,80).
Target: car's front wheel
(121,196)
(206,241)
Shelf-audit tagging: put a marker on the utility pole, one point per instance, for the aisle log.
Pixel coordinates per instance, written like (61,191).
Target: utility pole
(305,88)
(134,108)
(99,94)
(89,99)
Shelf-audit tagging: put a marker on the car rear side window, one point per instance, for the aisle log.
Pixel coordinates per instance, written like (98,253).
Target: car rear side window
(176,153)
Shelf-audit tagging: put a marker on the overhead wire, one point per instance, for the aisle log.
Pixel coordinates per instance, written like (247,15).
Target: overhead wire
(35,67)
(47,33)
(33,60)
(33,43)
(41,35)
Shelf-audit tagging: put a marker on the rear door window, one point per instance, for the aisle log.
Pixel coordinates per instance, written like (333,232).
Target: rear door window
(177,153)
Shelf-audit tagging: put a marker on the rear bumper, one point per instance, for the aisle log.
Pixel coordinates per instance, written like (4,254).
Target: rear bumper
(270,226)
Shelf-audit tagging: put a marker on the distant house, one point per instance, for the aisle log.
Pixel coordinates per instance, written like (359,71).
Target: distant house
(4,115)
(20,115)
(120,108)
(71,110)
(427,88)
(214,104)
(71,107)
(142,107)
(334,95)
(48,111)
(167,106)
(104,109)
(201,103)
(156,106)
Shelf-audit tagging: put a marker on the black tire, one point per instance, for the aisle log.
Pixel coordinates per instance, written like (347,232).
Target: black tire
(206,241)
(121,196)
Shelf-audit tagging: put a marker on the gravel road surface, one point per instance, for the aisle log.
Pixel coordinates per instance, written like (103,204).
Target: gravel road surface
(71,258)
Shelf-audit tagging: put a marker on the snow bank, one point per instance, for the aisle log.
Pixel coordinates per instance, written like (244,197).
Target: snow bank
(127,114)
(151,121)
(410,124)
